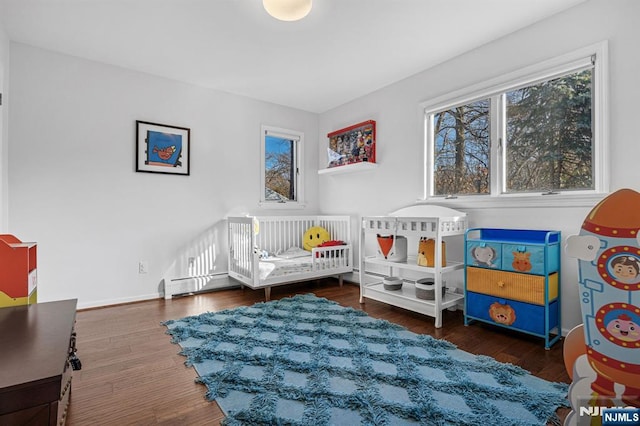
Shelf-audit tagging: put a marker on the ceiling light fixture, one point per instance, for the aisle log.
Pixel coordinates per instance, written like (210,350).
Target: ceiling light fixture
(287,10)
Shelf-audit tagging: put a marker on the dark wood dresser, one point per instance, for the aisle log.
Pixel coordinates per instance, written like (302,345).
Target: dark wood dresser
(35,374)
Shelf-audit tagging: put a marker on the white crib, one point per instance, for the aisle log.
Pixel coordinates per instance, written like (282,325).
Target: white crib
(250,238)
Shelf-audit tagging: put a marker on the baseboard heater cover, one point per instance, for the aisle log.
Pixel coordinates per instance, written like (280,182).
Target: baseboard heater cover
(184,285)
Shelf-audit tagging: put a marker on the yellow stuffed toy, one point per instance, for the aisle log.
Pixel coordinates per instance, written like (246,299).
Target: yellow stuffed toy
(426,253)
(315,236)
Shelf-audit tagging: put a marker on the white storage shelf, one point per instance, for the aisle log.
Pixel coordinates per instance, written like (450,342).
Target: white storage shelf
(371,285)
(412,265)
(348,168)
(406,297)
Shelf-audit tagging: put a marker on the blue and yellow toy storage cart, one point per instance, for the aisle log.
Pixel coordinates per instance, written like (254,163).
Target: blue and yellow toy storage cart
(512,280)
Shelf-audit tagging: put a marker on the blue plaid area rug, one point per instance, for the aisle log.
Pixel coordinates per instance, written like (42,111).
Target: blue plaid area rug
(305,360)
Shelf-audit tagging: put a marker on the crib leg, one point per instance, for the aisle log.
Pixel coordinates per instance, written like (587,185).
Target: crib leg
(267,293)
(340,280)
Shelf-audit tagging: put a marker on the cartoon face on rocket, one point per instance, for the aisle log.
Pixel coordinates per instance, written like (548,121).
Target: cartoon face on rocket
(625,268)
(624,328)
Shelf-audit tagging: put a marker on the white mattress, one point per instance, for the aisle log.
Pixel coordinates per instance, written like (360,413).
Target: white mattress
(277,266)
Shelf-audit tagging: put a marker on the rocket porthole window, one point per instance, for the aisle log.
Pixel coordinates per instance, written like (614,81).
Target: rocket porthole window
(620,267)
(619,323)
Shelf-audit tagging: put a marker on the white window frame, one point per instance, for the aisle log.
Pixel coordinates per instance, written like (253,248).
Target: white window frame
(491,90)
(298,152)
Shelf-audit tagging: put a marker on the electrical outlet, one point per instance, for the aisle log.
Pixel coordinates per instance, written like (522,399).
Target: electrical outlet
(143,267)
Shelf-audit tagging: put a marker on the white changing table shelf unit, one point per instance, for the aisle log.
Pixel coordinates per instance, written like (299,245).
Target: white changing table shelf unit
(415,222)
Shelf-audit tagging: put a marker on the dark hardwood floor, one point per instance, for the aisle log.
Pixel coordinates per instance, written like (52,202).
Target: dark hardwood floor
(132,375)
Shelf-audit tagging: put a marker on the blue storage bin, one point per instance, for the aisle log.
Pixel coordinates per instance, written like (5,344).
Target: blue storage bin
(485,254)
(523,258)
(510,313)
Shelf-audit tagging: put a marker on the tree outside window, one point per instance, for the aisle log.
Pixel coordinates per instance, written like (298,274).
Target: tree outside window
(279,169)
(549,135)
(281,174)
(462,149)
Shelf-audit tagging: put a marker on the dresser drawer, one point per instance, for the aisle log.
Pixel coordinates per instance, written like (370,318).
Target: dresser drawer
(510,313)
(511,285)
(485,254)
(529,258)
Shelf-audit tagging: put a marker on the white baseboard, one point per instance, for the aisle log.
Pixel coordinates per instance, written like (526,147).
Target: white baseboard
(118,301)
(185,285)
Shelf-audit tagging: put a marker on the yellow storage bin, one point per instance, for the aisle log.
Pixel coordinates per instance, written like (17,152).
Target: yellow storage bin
(511,285)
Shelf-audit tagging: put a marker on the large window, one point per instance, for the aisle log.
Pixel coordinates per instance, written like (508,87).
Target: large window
(538,132)
(281,181)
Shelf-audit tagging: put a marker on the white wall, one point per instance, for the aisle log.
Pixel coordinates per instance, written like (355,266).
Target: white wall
(4,126)
(72,179)
(398,179)
(73,189)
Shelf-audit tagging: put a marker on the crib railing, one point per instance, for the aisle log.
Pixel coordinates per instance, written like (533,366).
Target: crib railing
(331,258)
(276,234)
(242,259)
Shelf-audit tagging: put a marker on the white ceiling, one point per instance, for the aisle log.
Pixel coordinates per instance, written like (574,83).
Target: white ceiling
(342,50)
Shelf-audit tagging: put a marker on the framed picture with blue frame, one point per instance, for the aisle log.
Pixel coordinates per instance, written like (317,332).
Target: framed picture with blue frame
(162,149)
